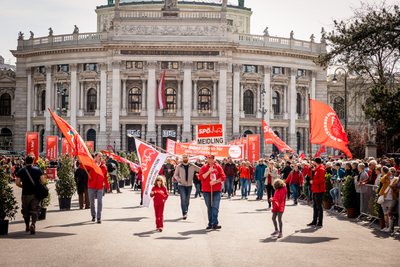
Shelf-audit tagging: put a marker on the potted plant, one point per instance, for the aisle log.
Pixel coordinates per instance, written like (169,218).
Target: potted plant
(65,185)
(8,203)
(350,197)
(327,201)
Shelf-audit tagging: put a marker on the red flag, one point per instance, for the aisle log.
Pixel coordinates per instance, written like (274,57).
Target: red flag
(320,151)
(271,138)
(302,156)
(326,128)
(32,144)
(253,147)
(171,146)
(151,162)
(52,147)
(161,101)
(134,167)
(76,141)
(67,149)
(90,146)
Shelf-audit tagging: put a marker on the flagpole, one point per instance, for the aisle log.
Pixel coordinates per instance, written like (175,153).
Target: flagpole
(309,123)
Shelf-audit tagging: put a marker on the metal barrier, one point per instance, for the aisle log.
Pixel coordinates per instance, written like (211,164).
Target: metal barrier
(367,201)
(338,202)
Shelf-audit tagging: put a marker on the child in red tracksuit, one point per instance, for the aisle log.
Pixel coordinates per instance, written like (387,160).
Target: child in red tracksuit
(278,206)
(159,194)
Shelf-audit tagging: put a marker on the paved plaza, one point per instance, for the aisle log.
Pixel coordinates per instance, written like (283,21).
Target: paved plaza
(126,237)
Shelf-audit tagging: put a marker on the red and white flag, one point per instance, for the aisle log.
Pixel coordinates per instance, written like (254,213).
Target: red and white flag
(320,152)
(134,167)
(271,138)
(161,101)
(326,128)
(151,162)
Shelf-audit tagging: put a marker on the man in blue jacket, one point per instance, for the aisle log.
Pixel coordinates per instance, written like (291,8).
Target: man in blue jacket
(260,178)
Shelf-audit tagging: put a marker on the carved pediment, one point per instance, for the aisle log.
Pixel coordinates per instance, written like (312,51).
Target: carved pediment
(171,30)
(39,77)
(304,81)
(88,74)
(61,76)
(280,79)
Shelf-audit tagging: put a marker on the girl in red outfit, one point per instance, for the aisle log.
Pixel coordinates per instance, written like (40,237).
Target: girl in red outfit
(278,206)
(160,195)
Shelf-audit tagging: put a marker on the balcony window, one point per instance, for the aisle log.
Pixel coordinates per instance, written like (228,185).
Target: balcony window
(90,67)
(301,73)
(170,97)
(5,105)
(250,68)
(135,100)
(40,69)
(205,65)
(134,65)
(248,102)
(91,100)
(276,102)
(63,68)
(169,65)
(278,71)
(204,100)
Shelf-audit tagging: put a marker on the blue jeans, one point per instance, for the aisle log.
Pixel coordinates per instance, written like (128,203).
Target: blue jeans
(198,190)
(244,185)
(295,188)
(185,192)
(93,194)
(212,210)
(334,192)
(175,187)
(260,188)
(229,185)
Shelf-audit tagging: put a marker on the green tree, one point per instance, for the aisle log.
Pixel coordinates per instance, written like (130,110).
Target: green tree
(65,186)
(368,45)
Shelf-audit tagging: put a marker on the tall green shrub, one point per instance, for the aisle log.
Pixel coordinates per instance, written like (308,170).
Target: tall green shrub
(65,186)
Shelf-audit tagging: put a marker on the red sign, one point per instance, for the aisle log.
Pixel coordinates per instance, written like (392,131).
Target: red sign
(253,144)
(220,152)
(210,134)
(52,147)
(171,146)
(90,146)
(51,173)
(32,144)
(66,148)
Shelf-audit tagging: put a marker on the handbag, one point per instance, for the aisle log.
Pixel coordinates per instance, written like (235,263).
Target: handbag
(41,191)
(381,198)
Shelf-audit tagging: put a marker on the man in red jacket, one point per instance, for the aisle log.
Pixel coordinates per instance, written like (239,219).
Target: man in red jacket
(212,177)
(96,185)
(318,189)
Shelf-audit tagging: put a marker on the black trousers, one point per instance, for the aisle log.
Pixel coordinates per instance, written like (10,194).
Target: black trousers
(318,209)
(270,193)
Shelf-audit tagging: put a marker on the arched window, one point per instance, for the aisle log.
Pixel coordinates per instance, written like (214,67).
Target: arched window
(204,98)
(170,97)
(298,139)
(43,101)
(5,139)
(5,105)
(276,102)
(91,136)
(135,100)
(299,103)
(248,102)
(41,140)
(338,106)
(91,100)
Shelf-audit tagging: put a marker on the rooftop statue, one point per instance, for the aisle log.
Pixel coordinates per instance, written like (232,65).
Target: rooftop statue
(76,30)
(20,36)
(170,4)
(266,33)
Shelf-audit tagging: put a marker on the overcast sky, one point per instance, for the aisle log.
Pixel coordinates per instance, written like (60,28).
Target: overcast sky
(304,17)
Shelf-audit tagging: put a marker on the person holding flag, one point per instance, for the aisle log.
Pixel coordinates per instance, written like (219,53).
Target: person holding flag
(212,176)
(96,186)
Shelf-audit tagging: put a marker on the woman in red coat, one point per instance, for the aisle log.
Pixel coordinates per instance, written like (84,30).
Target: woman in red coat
(278,206)
(159,194)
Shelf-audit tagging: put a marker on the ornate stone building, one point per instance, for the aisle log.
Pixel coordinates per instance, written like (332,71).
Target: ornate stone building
(104,83)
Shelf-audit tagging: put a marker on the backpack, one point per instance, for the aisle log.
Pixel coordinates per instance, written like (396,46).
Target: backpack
(110,167)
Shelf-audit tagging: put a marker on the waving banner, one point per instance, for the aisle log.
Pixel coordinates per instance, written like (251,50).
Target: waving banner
(32,144)
(151,162)
(52,148)
(271,138)
(134,167)
(67,149)
(326,128)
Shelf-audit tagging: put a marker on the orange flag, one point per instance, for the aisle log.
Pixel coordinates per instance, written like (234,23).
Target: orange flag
(76,141)
(271,138)
(326,128)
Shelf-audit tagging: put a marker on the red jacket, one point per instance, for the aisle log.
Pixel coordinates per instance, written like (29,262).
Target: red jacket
(97,181)
(295,178)
(318,180)
(306,171)
(159,194)
(279,200)
(205,182)
(244,172)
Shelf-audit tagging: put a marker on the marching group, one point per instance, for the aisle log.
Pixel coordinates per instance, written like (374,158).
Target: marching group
(279,179)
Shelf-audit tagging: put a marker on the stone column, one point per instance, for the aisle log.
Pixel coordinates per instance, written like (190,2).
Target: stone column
(144,95)
(81,99)
(151,102)
(241,100)
(187,101)
(97,111)
(268,95)
(29,101)
(159,136)
(143,132)
(237,109)
(214,100)
(124,143)
(222,92)
(179,98)
(116,100)
(124,100)
(313,84)
(179,133)
(258,105)
(195,98)
(102,142)
(292,110)
(49,90)
(35,98)
(73,97)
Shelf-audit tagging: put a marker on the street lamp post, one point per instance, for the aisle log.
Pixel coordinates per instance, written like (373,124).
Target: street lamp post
(334,80)
(60,110)
(263,111)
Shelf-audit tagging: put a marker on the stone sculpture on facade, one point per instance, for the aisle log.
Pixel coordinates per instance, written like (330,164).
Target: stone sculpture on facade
(76,30)
(50,31)
(32,35)
(170,4)
(266,33)
(20,36)
(292,35)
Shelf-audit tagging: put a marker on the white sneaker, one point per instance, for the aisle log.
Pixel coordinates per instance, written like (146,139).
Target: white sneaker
(386,230)
(275,233)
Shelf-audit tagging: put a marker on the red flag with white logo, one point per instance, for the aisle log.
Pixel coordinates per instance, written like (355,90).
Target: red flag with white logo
(151,162)
(271,138)
(134,167)
(32,144)
(52,148)
(326,128)
(161,101)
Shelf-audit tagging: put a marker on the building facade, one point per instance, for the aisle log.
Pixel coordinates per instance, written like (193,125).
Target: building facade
(104,83)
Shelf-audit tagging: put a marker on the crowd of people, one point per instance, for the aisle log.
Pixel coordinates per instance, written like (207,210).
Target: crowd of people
(277,179)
